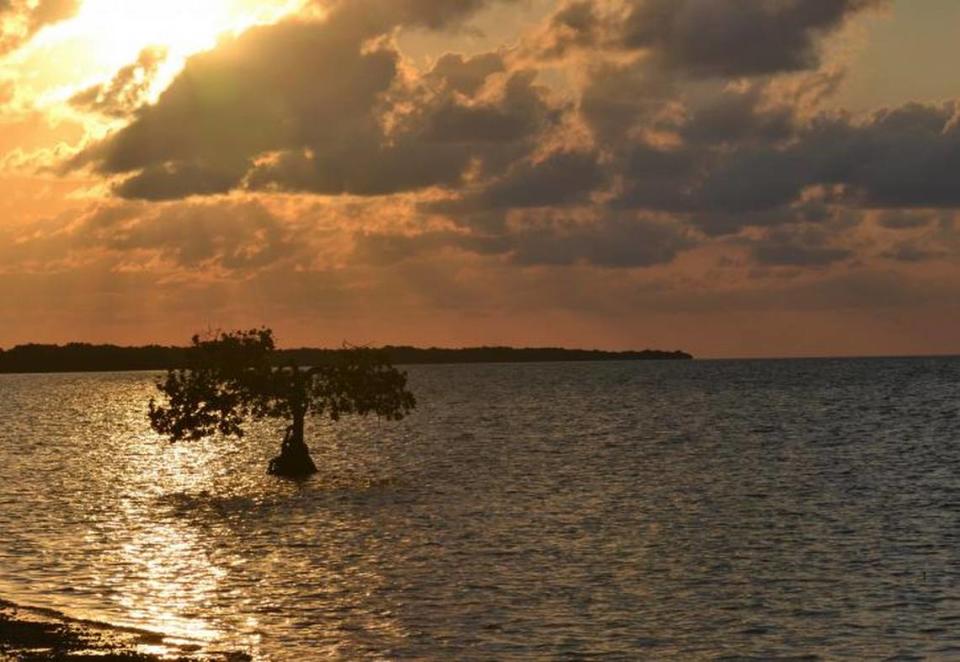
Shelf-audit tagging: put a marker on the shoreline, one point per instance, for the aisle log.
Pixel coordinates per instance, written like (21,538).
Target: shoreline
(80,357)
(32,633)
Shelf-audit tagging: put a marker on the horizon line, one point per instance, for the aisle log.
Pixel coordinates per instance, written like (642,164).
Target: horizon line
(696,357)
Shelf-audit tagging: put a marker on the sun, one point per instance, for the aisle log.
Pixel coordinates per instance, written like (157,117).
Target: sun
(120,29)
(106,35)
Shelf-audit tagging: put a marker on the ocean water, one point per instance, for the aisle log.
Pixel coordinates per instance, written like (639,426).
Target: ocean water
(628,510)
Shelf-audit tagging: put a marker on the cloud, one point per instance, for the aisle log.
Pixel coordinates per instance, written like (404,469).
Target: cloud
(312,105)
(738,116)
(704,38)
(232,235)
(126,91)
(736,37)
(901,158)
(609,242)
(615,242)
(381,15)
(466,75)
(329,106)
(21,19)
(910,251)
(906,219)
(562,178)
(798,246)
(519,113)
(274,88)
(235,236)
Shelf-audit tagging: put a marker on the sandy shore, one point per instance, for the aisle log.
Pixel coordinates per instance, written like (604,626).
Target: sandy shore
(38,634)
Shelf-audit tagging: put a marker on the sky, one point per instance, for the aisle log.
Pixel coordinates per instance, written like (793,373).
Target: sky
(733,178)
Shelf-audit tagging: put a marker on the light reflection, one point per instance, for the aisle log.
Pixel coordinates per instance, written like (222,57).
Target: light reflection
(182,572)
(196,543)
(164,572)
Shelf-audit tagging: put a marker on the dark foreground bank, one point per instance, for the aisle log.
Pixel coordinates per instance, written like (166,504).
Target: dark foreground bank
(36,634)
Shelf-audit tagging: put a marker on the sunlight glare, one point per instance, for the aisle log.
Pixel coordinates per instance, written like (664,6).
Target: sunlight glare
(106,35)
(123,28)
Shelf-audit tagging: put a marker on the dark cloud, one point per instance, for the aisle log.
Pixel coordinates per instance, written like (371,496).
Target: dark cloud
(905,157)
(617,99)
(615,242)
(560,179)
(906,219)
(802,246)
(181,179)
(433,145)
(910,251)
(610,242)
(719,223)
(735,37)
(901,158)
(313,106)
(705,38)
(274,88)
(737,117)
(518,114)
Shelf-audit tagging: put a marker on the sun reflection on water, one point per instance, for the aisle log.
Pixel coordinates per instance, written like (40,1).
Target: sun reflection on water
(164,573)
(188,540)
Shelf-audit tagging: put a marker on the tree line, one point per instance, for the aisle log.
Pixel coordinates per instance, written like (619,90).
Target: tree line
(83,357)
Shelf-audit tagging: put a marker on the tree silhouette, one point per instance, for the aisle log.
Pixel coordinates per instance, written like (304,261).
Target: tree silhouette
(233,377)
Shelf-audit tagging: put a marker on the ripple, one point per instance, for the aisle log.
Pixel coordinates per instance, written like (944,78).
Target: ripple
(732,510)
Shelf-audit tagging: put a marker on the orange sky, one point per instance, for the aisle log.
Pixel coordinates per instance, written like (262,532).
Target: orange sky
(727,177)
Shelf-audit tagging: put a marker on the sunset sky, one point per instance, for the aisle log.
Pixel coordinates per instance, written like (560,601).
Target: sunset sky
(727,177)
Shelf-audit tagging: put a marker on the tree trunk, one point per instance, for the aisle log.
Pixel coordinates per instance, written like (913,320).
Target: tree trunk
(294,460)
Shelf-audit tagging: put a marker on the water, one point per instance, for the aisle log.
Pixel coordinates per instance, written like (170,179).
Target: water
(632,510)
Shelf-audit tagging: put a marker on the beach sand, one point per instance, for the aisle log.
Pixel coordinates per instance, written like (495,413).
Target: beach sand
(39,634)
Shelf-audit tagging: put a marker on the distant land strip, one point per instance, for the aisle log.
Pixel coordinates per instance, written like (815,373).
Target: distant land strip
(82,357)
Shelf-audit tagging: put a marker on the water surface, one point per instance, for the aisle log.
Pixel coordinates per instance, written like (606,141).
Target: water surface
(633,510)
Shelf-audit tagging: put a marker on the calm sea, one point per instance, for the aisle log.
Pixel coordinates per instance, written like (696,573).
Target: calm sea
(630,510)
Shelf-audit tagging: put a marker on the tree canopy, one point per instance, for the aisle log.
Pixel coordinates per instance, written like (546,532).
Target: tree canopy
(233,377)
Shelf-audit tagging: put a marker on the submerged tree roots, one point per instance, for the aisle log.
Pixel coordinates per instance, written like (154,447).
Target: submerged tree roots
(294,460)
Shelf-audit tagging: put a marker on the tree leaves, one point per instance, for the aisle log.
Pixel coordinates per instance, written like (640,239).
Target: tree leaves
(233,378)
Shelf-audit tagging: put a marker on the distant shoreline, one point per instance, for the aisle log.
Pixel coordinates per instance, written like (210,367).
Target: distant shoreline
(79,357)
